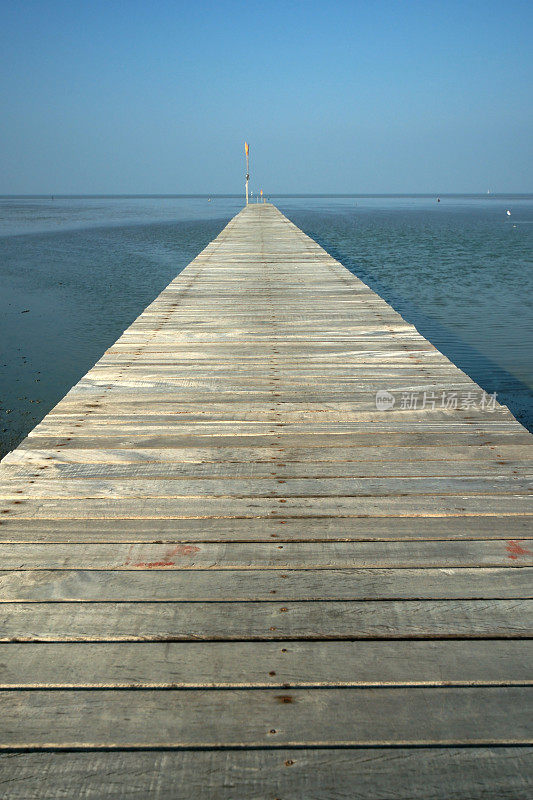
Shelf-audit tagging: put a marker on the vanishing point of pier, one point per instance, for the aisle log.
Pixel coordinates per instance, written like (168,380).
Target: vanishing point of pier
(226,573)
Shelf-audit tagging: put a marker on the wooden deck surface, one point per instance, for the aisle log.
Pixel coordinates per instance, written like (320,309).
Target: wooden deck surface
(225,574)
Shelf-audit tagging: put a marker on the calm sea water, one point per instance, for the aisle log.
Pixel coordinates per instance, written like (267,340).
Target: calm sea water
(75,272)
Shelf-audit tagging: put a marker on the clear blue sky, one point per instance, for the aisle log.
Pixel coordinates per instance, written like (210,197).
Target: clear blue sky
(157,96)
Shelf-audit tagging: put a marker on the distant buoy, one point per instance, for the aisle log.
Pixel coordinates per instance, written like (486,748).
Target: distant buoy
(508,213)
(438,199)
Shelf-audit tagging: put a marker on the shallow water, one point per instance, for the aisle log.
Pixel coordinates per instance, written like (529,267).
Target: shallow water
(75,272)
(460,270)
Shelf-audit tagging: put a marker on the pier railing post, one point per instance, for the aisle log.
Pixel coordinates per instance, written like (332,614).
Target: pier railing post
(247,151)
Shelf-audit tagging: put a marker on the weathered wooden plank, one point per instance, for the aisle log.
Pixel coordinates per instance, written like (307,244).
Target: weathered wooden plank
(252,420)
(266,717)
(264,529)
(295,457)
(397,427)
(282,440)
(302,555)
(265,487)
(124,411)
(399,773)
(266,664)
(205,389)
(215,621)
(151,581)
(361,346)
(321,370)
(462,505)
(57,469)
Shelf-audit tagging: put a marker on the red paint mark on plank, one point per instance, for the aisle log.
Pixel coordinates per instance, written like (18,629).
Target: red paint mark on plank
(515,549)
(166,561)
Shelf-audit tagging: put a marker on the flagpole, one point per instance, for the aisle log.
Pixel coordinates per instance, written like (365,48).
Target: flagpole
(247,150)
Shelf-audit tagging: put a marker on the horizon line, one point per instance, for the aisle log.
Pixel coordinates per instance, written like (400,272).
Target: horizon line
(48,195)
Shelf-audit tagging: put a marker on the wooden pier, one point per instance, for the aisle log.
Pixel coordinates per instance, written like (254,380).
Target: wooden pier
(226,574)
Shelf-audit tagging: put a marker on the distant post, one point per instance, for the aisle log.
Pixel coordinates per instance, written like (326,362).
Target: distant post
(247,151)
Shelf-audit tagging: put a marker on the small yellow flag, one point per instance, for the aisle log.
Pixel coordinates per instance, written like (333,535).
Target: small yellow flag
(246,148)
(261,191)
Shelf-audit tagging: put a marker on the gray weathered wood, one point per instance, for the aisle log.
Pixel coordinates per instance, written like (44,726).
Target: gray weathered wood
(219,517)
(301,555)
(266,717)
(156,582)
(264,530)
(266,664)
(462,505)
(398,773)
(284,619)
